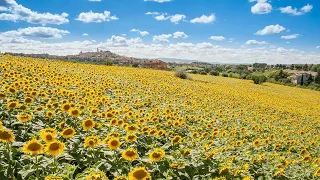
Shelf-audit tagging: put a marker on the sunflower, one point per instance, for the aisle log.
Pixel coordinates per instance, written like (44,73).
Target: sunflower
(28,100)
(131,138)
(317,173)
(113,122)
(2,95)
(156,155)
(50,130)
(224,169)
(88,124)
(130,154)
(139,173)
(66,107)
(132,128)
(74,112)
(176,139)
(49,114)
(6,136)
(54,148)
(62,124)
(67,132)
(97,175)
(186,152)
(1,125)
(256,142)
(113,143)
(47,136)
(12,104)
(33,147)
(91,141)
(24,117)
(280,172)
(53,177)
(121,178)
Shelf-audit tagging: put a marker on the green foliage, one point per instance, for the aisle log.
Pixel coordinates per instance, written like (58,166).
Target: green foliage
(257,79)
(214,73)
(135,65)
(182,75)
(224,75)
(108,63)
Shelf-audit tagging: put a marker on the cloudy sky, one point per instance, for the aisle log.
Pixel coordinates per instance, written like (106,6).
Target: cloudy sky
(227,31)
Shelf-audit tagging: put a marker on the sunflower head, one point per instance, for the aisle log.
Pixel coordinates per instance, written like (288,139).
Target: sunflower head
(176,139)
(97,175)
(113,143)
(131,138)
(6,136)
(66,107)
(91,141)
(68,132)
(49,130)
(24,117)
(132,128)
(62,124)
(74,112)
(121,178)
(33,147)
(88,124)
(139,173)
(130,154)
(54,148)
(156,155)
(53,177)
(47,136)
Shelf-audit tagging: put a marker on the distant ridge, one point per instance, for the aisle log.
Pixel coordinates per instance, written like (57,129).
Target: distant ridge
(176,60)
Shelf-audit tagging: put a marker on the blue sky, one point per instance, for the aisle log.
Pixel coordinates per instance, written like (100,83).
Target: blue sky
(230,31)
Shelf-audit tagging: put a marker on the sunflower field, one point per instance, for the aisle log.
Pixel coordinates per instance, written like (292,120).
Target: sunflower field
(62,120)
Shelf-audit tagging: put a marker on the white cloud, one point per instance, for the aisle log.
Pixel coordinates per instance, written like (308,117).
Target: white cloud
(217,38)
(204,19)
(262,7)
(158,1)
(180,34)
(88,17)
(119,41)
(249,42)
(318,47)
(85,34)
(294,11)
(165,16)
(142,33)
(177,18)
(272,29)
(292,36)
(204,51)
(39,32)
(162,38)
(16,12)
(153,13)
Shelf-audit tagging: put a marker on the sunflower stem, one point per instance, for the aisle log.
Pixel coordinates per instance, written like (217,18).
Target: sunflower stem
(55,164)
(37,169)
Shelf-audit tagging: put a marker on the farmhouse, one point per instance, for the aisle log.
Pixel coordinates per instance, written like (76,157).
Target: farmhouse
(299,78)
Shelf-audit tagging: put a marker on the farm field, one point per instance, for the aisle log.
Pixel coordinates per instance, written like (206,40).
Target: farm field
(62,120)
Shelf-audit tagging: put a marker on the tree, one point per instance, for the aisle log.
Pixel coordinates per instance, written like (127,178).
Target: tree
(317,77)
(108,63)
(292,67)
(305,67)
(309,80)
(214,73)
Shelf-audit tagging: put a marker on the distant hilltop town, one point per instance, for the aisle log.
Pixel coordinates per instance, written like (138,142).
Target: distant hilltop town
(102,57)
